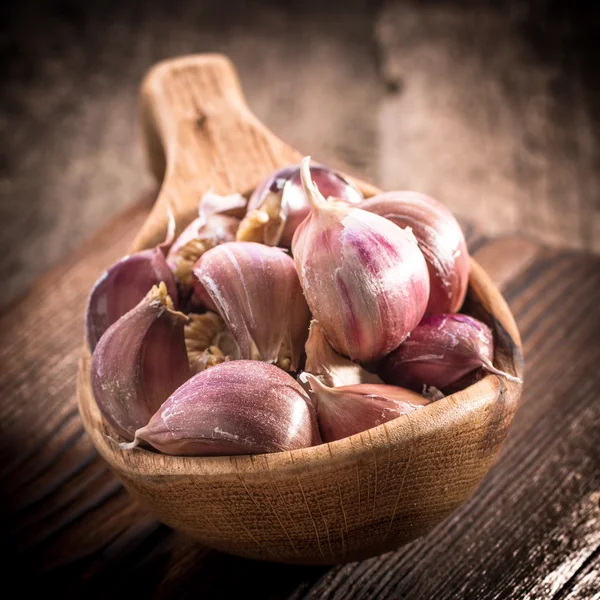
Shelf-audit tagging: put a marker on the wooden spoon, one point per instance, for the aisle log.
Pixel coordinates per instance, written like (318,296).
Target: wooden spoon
(347,500)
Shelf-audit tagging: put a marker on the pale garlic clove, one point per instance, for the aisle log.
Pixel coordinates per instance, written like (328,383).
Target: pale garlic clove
(326,364)
(232,205)
(345,411)
(122,287)
(217,222)
(279,204)
(208,342)
(139,362)
(237,407)
(256,291)
(441,241)
(364,278)
(440,351)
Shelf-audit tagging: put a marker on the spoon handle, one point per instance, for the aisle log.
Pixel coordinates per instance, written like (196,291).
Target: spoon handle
(200,134)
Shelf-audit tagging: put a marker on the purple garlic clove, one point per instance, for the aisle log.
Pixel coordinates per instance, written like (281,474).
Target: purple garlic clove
(364,278)
(441,350)
(347,410)
(256,291)
(237,407)
(122,287)
(139,362)
(440,239)
(279,204)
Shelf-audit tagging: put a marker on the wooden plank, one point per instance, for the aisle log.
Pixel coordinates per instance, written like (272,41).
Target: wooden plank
(530,530)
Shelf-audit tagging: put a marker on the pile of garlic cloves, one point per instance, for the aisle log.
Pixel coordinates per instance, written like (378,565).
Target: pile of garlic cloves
(301,316)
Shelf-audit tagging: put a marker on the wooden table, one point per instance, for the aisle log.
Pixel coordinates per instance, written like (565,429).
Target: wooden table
(531,530)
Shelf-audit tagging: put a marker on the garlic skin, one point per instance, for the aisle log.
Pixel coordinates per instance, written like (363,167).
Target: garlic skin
(139,362)
(441,241)
(279,204)
(328,366)
(364,278)
(347,410)
(214,225)
(122,287)
(256,291)
(232,205)
(237,407)
(440,351)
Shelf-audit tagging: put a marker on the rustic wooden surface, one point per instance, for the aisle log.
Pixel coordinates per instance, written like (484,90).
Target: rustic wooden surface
(531,531)
(494,108)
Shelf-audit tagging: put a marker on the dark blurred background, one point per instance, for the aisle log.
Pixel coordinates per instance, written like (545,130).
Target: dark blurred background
(491,107)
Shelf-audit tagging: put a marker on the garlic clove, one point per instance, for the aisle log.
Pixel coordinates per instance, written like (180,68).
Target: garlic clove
(440,351)
(265,220)
(279,204)
(214,225)
(201,296)
(297,333)
(440,239)
(139,362)
(364,278)
(237,407)
(211,204)
(327,365)
(208,342)
(345,411)
(122,287)
(256,291)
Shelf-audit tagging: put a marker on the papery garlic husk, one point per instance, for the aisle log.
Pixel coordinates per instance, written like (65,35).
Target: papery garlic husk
(214,225)
(440,239)
(347,410)
(125,284)
(440,351)
(208,341)
(237,407)
(139,362)
(326,364)
(364,278)
(279,204)
(232,205)
(256,291)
